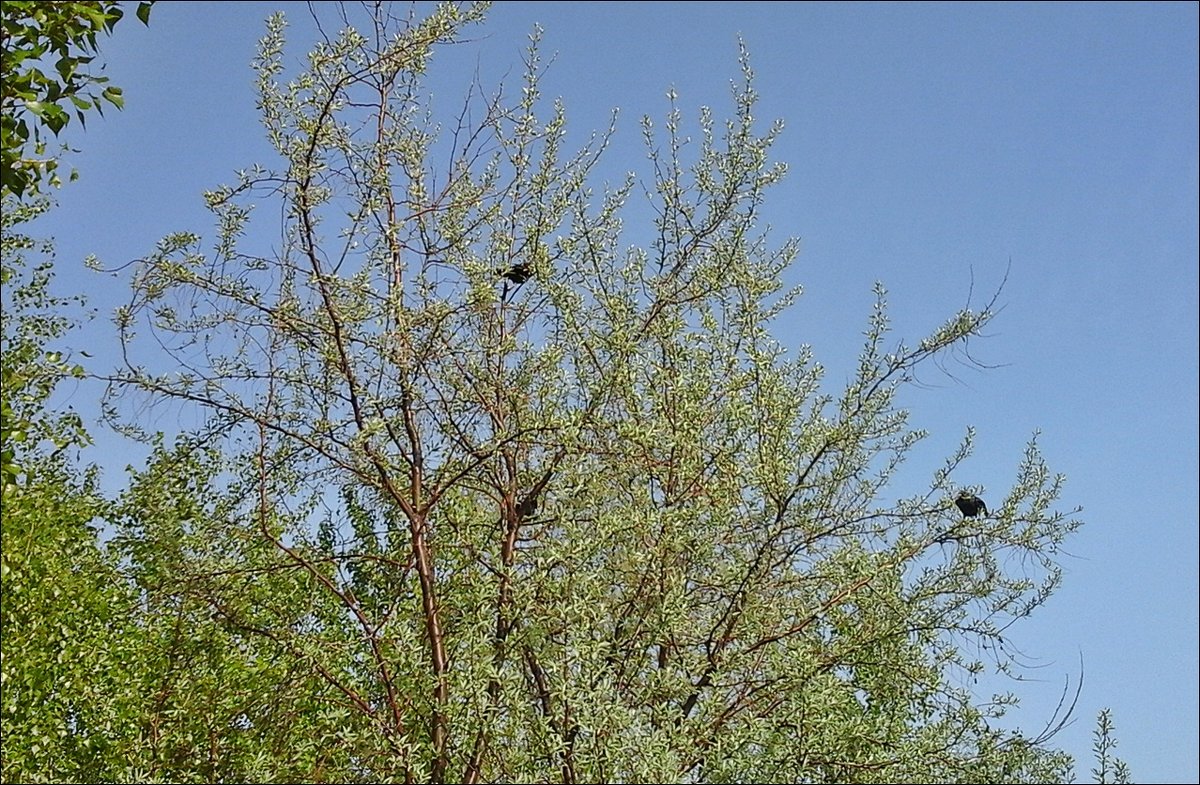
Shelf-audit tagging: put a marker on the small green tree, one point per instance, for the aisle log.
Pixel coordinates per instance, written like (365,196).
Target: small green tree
(46,51)
(1109,768)
(102,680)
(65,608)
(511,498)
(217,703)
(75,657)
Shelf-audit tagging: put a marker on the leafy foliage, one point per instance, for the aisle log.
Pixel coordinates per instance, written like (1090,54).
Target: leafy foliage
(594,522)
(71,648)
(44,80)
(487,491)
(31,318)
(1109,769)
(64,659)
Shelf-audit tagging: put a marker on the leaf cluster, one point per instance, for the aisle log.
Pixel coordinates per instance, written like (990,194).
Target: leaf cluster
(46,50)
(29,372)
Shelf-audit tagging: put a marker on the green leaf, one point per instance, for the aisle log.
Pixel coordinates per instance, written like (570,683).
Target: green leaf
(114,96)
(55,117)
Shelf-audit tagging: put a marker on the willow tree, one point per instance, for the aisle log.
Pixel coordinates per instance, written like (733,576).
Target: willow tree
(519,499)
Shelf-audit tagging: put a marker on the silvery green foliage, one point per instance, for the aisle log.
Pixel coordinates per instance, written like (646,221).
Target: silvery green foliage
(598,525)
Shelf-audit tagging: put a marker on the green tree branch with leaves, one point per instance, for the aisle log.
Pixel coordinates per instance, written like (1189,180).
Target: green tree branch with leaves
(46,53)
(591,519)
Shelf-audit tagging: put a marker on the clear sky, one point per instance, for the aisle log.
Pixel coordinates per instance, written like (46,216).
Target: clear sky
(928,145)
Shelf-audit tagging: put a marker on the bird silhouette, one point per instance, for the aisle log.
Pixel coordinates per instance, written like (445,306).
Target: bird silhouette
(527,507)
(519,273)
(970,505)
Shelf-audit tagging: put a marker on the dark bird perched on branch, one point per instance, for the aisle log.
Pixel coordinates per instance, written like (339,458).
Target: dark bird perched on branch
(519,273)
(527,507)
(970,505)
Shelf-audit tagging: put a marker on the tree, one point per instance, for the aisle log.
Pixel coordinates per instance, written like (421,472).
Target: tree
(66,622)
(601,524)
(78,658)
(35,36)
(28,373)
(1108,767)
(30,33)
(98,684)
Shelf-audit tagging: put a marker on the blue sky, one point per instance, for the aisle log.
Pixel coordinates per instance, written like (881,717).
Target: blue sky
(929,145)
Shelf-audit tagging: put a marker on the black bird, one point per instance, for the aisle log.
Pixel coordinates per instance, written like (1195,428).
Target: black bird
(519,273)
(527,507)
(970,505)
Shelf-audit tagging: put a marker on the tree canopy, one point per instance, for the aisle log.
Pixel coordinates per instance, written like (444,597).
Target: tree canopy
(47,49)
(489,489)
